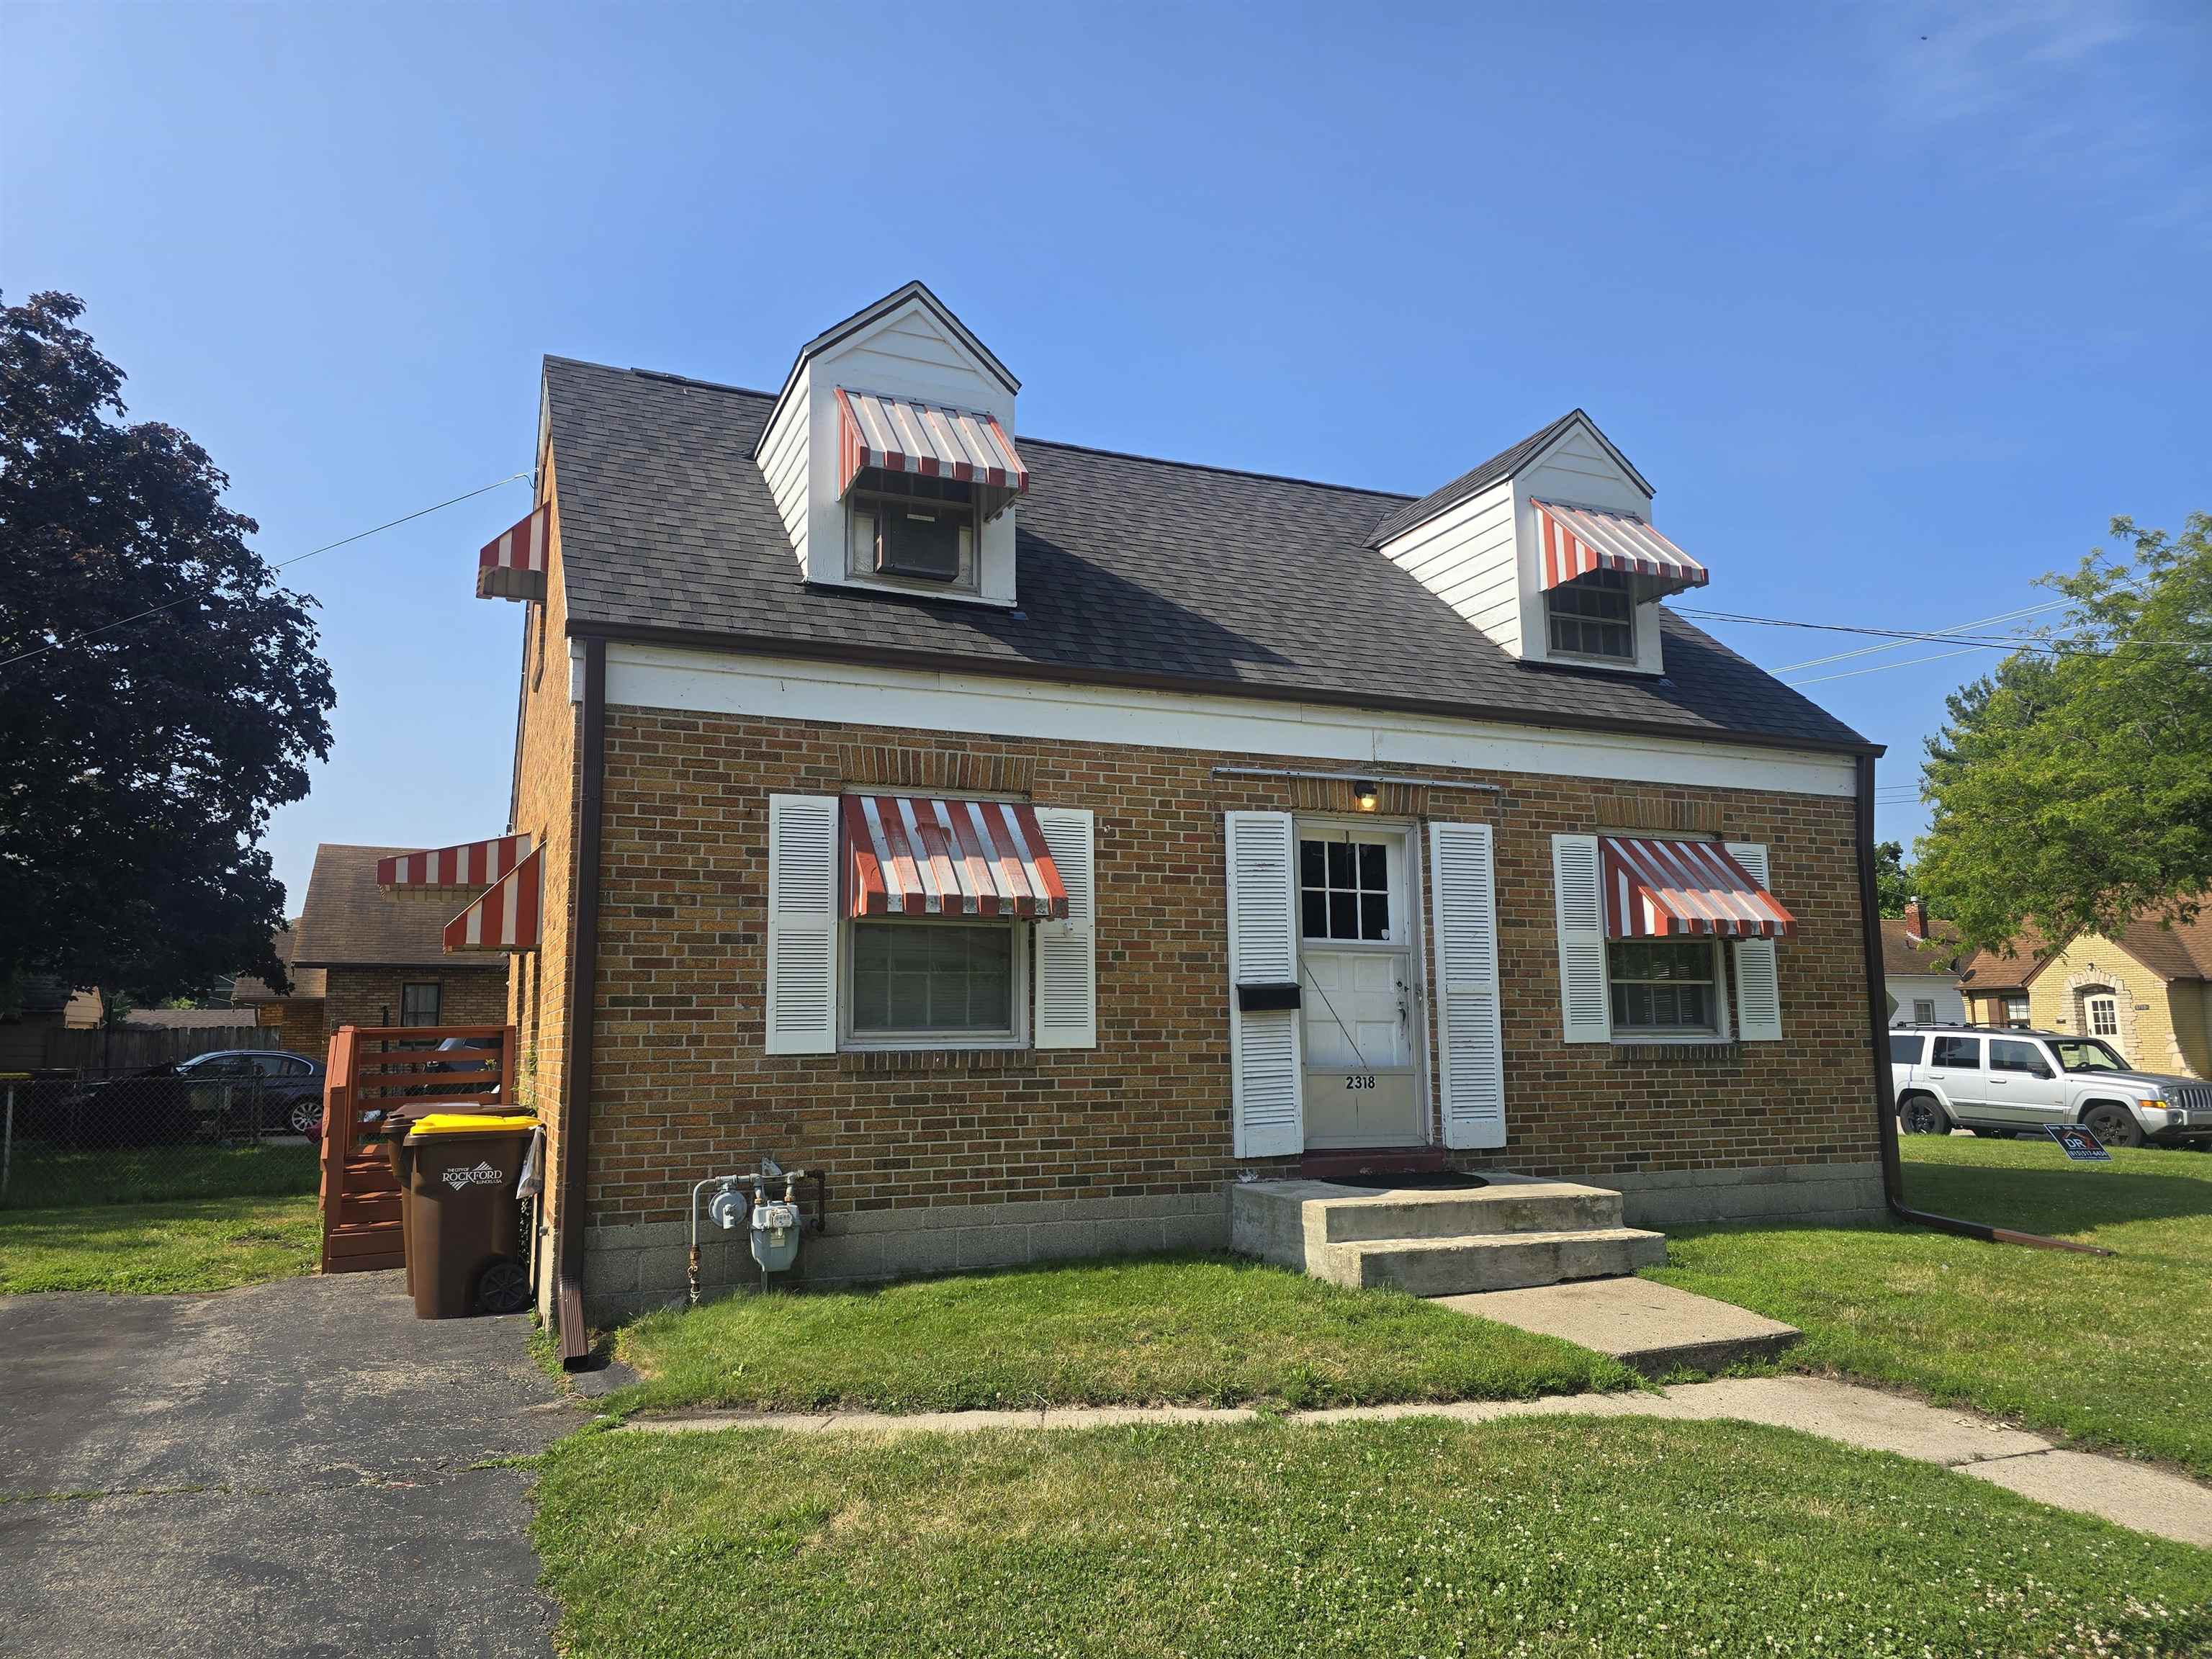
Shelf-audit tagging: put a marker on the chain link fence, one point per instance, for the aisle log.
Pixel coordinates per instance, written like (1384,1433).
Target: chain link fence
(220,1124)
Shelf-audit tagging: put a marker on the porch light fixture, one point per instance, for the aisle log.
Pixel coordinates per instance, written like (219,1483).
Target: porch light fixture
(1368,793)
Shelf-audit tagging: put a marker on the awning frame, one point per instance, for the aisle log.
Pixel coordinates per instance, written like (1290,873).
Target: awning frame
(1680,887)
(932,440)
(918,855)
(1575,541)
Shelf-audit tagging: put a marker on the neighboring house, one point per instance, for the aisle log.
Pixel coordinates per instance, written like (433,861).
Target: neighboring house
(2148,993)
(1033,838)
(360,955)
(297,1017)
(1920,959)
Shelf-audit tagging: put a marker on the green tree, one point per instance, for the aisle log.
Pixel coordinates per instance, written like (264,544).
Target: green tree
(2074,784)
(158,694)
(1893,882)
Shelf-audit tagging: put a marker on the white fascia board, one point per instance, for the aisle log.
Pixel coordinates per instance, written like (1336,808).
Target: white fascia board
(772,688)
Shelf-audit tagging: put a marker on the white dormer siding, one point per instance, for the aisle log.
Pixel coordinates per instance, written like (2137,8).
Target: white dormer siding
(1483,556)
(910,350)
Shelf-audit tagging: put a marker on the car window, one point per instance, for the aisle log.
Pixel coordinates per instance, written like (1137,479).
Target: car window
(2087,1055)
(272,1065)
(1960,1053)
(2005,1057)
(1905,1050)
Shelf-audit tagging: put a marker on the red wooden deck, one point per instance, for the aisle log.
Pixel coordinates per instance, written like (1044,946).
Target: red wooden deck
(370,1071)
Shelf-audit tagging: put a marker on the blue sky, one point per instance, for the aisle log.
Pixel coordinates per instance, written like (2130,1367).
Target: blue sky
(1896,305)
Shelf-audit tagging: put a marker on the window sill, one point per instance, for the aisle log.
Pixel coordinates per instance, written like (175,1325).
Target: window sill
(1627,1050)
(909,1061)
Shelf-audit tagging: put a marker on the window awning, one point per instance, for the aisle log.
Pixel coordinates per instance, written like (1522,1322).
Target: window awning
(505,917)
(911,855)
(511,565)
(472,865)
(1658,888)
(901,436)
(1577,540)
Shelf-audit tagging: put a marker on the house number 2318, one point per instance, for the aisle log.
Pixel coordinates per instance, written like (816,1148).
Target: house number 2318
(1360,1080)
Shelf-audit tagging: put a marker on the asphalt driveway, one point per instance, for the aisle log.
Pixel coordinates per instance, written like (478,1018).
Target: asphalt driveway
(290,1468)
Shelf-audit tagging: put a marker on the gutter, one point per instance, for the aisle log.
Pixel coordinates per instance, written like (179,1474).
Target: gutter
(841,651)
(575,1338)
(1885,1085)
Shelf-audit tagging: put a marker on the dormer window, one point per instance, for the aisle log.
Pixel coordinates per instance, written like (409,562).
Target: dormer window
(910,527)
(1593,615)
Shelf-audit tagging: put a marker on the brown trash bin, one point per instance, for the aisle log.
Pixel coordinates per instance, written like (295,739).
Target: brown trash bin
(460,1214)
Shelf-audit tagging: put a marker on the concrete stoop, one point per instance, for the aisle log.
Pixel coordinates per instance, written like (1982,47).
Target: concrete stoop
(1516,1231)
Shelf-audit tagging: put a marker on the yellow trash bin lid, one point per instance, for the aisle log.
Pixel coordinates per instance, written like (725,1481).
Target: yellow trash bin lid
(471,1124)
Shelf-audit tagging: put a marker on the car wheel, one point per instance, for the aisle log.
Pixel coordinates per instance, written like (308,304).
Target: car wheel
(2114,1124)
(303,1114)
(1921,1116)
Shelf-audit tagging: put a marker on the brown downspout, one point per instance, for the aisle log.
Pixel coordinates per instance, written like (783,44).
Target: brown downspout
(575,1338)
(1885,1085)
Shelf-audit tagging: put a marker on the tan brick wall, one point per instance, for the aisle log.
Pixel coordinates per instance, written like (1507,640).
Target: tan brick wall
(2161,1025)
(302,1030)
(470,994)
(684,1090)
(545,808)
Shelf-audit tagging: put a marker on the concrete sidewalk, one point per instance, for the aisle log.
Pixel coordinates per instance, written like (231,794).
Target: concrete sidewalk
(2133,1495)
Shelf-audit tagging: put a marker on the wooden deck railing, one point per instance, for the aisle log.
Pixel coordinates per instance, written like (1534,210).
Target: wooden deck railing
(373,1070)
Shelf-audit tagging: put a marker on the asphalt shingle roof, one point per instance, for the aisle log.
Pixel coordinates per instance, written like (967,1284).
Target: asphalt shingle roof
(1130,570)
(1903,952)
(348,920)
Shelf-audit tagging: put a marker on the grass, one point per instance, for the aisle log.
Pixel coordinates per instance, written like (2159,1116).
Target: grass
(1199,1331)
(50,1178)
(159,1220)
(2111,1351)
(1554,1537)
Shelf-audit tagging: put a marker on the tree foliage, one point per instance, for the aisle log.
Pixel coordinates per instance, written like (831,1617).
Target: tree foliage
(2074,784)
(139,764)
(1893,882)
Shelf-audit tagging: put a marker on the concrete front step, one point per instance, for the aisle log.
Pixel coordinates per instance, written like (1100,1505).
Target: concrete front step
(1491,1261)
(1515,1231)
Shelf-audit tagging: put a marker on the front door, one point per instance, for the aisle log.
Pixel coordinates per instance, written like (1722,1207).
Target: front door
(1359,994)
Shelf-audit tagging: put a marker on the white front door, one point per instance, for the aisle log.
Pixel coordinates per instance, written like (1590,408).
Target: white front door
(1359,997)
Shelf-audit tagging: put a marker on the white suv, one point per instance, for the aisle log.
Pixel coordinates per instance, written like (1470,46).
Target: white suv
(1998,1081)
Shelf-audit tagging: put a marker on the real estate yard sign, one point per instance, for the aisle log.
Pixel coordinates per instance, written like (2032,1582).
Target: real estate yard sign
(2080,1144)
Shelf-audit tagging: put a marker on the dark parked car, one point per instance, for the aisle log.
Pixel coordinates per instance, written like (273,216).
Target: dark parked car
(207,1098)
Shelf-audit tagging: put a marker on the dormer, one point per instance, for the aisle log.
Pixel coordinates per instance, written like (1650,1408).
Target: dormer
(890,454)
(1549,549)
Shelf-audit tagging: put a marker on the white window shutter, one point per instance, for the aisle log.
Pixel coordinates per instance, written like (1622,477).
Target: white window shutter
(1577,884)
(1463,894)
(1067,951)
(1758,976)
(802,924)
(1267,1116)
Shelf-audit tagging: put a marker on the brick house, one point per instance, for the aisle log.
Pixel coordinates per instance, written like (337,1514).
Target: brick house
(1035,839)
(359,954)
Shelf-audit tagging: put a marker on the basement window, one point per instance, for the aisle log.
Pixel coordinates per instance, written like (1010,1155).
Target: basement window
(1593,615)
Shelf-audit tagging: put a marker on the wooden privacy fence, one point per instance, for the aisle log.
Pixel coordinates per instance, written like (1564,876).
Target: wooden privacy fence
(130,1048)
(372,1071)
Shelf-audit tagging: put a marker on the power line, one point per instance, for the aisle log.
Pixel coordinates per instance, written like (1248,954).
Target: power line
(1853,674)
(1870,650)
(297,558)
(1998,642)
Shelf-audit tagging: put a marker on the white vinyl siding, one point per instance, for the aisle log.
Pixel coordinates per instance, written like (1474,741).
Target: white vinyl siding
(1266,1112)
(1578,891)
(1463,886)
(784,464)
(1757,973)
(1464,556)
(1067,953)
(802,925)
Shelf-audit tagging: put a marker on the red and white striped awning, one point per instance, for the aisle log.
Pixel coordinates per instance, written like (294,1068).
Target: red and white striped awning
(901,436)
(910,855)
(503,918)
(473,864)
(1577,540)
(511,565)
(1659,888)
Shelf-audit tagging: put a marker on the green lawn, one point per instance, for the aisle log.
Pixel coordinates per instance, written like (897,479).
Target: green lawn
(159,1219)
(2111,1351)
(1191,1331)
(1554,1537)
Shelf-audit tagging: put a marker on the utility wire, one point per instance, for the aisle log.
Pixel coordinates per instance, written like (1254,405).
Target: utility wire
(1871,650)
(297,558)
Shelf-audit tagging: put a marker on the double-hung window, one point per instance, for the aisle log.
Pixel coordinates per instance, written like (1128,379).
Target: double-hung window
(1593,615)
(915,980)
(418,1004)
(1664,987)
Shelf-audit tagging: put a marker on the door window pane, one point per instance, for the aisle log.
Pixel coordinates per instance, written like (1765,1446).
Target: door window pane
(924,977)
(2103,1016)
(1344,890)
(2016,1057)
(1959,1053)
